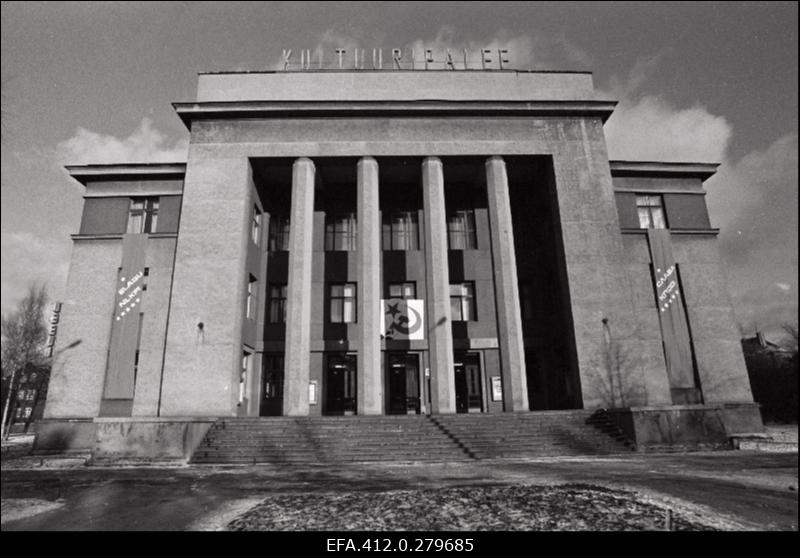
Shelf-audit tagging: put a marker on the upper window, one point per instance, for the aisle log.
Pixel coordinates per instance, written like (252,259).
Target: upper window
(340,232)
(400,231)
(250,306)
(143,215)
(462,302)
(278,233)
(255,225)
(461,230)
(403,290)
(277,303)
(651,212)
(343,303)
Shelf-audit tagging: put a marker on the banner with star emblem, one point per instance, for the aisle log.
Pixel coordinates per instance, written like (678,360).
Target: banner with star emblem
(127,321)
(671,312)
(404,319)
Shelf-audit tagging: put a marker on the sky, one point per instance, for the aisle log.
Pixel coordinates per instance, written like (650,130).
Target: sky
(93,82)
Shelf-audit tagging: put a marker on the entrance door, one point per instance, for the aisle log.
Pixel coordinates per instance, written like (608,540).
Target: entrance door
(469,396)
(272,386)
(340,385)
(403,371)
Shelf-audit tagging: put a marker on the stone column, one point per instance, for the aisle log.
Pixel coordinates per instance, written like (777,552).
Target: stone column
(509,321)
(437,276)
(298,311)
(370,385)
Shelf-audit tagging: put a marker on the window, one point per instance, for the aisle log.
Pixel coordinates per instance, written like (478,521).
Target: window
(651,212)
(462,302)
(138,347)
(30,394)
(255,226)
(343,303)
(251,297)
(461,230)
(526,301)
(143,215)
(340,232)
(277,304)
(278,234)
(400,231)
(243,375)
(403,290)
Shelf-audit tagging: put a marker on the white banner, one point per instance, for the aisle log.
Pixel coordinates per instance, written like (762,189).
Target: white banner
(404,319)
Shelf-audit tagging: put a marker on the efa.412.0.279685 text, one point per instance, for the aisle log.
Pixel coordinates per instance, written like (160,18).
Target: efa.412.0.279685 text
(400,544)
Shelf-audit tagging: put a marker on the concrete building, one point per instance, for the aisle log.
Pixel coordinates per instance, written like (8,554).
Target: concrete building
(395,242)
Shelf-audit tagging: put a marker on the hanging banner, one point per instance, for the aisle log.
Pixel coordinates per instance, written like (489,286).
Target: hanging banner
(404,319)
(128,297)
(669,299)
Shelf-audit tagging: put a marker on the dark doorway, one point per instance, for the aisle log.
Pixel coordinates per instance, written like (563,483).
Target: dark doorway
(469,396)
(272,386)
(403,372)
(340,385)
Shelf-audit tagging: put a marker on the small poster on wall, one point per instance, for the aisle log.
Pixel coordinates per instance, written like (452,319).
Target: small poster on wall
(497,389)
(312,393)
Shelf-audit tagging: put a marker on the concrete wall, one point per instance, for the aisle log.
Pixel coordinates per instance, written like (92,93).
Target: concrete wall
(201,371)
(76,381)
(150,439)
(388,86)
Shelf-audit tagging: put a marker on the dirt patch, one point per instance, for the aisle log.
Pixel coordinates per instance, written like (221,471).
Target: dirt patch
(573,507)
(12,509)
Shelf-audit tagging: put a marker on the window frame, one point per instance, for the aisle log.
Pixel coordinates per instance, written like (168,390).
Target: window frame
(403,285)
(342,300)
(341,232)
(647,207)
(146,215)
(400,230)
(462,231)
(277,304)
(279,227)
(466,300)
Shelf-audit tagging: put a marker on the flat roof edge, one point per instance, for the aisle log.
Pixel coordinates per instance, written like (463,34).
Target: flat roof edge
(87,173)
(663,168)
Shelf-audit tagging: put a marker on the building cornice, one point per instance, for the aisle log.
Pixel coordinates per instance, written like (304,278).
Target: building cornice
(277,109)
(127,171)
(703,171)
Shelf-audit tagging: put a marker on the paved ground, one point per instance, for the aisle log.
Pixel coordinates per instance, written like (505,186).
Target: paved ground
(733,490)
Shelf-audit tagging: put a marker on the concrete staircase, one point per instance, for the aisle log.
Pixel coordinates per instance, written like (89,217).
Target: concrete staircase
(406,438)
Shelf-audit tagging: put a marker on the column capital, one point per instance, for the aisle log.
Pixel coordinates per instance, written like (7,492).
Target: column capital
(432,161)
(303,161)
(492,159)
(367,160)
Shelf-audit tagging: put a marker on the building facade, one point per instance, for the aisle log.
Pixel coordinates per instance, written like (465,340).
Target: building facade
(395,242)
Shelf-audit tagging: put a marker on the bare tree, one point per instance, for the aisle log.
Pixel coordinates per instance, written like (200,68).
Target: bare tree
(23,337)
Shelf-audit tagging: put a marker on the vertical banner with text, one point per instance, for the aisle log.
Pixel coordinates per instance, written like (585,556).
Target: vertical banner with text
(671,312)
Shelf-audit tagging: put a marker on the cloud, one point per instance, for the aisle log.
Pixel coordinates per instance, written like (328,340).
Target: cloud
(754,203)
(28,258)
(145,145)
(651,129)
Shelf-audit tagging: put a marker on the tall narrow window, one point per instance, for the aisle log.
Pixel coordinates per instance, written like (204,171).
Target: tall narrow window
(277,304)
(462,302)
(651,212)
(343,303)
(251,295)
(143,215)
(406,290)
(340,232)
(255,226)
(461,230)
(526,301)
(400,231)
(278,233)
(138,345)
(243,375)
